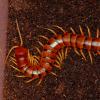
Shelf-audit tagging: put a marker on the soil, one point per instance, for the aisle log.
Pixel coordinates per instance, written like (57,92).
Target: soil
(78,79)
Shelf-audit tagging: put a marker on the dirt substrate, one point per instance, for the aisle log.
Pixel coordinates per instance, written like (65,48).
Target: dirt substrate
(78,79)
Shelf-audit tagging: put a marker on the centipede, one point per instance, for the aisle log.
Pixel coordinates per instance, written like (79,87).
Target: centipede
(52,53)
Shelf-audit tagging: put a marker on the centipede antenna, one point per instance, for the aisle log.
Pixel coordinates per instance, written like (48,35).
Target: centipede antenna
(82,54)
(44,37)
(19,33)
(89,33)
(15,68)
(90,57)
(72,30)
(52,31)
(60,28)
(98,32)
(81,30)
(40,43)
(9,53)
(38,50)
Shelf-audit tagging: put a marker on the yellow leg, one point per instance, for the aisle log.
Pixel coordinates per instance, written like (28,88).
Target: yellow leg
(44,37)
(38,50)
(89,33)
(30,34)
(97,33)
(60,57)
(51,31)
(62,54)
(82,54)
(66,53)
(15,68)
(60,28)
(72,30)
(53,74)
(76,52)
(21,76)
(12,58)
(40,81)
(98,52)
(57,66)
(41,44)
(81,30)
(90,57)
(33,78)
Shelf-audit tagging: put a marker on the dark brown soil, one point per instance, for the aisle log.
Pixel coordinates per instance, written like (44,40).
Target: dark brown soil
(78,79)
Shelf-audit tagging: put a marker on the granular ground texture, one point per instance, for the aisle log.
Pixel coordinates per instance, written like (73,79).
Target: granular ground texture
(78,79)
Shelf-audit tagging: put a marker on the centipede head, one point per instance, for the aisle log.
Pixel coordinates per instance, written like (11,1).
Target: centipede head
(14,47)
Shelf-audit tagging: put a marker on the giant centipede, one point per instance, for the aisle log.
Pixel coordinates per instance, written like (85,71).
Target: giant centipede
(50,55)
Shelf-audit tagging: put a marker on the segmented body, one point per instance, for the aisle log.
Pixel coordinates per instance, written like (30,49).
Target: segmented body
(48,55)
(47,58)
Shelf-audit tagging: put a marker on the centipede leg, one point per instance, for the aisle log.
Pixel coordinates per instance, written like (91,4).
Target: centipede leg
(72,30)
(89,33)
(97,35)
(13,60)
(40,43)
(61,56)
(44,37)
(81,30)
(82,54)
(76,51)
(60,28)
(57,65)
(52,31)
(90,57)
(15,68)
(41,78)
(38,50)
(21,76)
(53,74)
(33,78)
(98,52)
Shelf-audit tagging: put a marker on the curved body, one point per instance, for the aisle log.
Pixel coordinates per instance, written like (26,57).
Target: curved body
(50,50)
